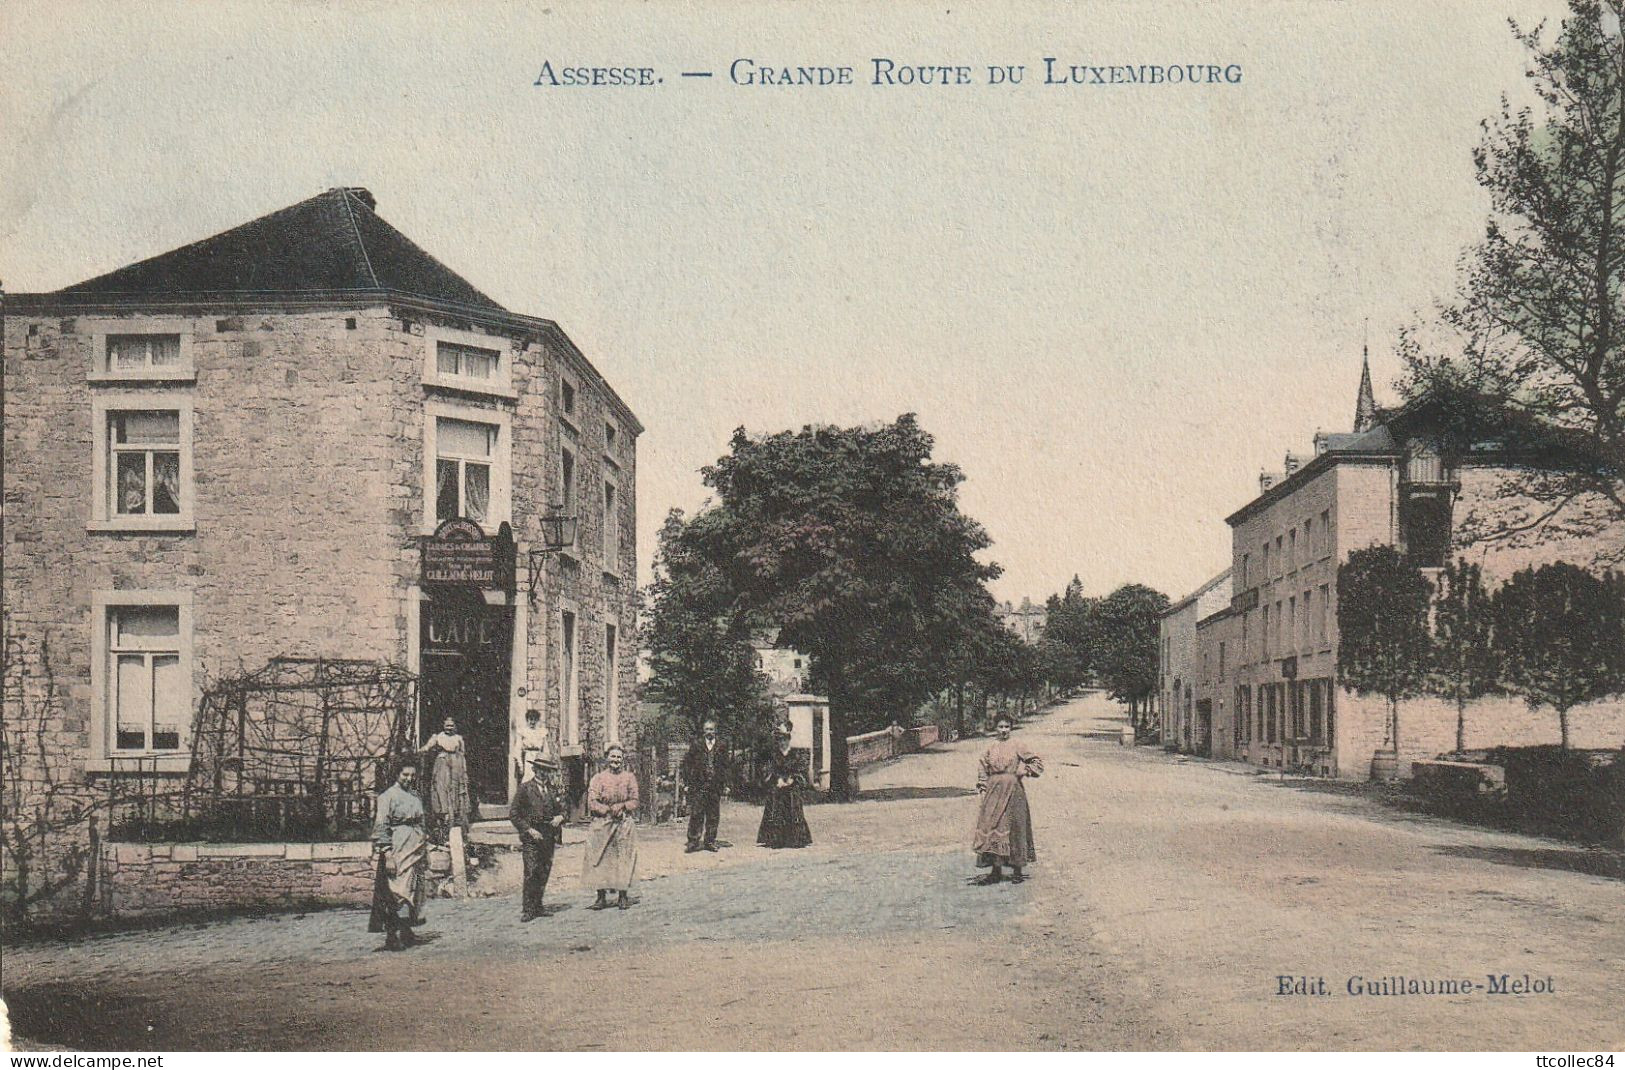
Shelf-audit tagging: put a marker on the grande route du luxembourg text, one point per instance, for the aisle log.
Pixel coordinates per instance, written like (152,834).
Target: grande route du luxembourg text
(886,72)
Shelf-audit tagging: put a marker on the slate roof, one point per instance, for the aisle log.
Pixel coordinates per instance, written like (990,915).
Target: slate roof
(335,242)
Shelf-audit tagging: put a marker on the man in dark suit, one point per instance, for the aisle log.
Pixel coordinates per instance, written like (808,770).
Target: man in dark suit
(705,774)
(538,814)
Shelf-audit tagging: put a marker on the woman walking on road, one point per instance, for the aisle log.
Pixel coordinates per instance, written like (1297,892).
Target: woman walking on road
(783,822)
(612,845)
(1004,826)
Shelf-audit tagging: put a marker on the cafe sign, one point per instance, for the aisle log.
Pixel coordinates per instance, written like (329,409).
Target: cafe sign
(460,554)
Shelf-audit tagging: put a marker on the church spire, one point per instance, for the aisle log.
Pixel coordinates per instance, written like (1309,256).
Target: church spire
(1365,409)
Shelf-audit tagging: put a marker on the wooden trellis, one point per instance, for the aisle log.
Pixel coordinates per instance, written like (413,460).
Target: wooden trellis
(299,748)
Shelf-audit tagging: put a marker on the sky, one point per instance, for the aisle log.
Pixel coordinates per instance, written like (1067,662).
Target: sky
(1112,305)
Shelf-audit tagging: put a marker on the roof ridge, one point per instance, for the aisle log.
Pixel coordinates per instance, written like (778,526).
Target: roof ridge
(355,230)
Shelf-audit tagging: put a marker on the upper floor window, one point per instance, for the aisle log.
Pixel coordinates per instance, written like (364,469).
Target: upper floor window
(612,528)
(567,397)
(158,350)
(567,481)
(610,435)
(467,360)
(142,469)
(1325,532)
(129,352)
(463,455)
(467,465)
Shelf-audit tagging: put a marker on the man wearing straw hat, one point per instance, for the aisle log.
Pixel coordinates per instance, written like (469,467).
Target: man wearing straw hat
(538,815)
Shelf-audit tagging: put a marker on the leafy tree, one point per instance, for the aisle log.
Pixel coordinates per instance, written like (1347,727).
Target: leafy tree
(1067,650)
(1533,353)
(1464,665)
(851,542)
(1382,621)
(702,664)
(1561,637)
(1124,631)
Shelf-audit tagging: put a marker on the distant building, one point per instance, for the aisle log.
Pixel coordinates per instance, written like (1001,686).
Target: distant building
(787,670)
(1267,664)
(1187,723)
(1026,620)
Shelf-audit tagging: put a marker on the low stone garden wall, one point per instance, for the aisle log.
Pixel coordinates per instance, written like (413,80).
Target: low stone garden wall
(889,743)
(143,880)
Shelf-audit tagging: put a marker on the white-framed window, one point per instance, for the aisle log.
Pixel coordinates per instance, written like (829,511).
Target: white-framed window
(141,468)
(467,465)
(468,361)
(141,350)
(141,677)
(612,527)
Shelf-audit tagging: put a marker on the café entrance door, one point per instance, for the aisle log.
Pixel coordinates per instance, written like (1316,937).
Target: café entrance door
(465,657)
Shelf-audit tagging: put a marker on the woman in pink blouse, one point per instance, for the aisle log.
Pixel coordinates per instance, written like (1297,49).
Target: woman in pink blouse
(612,845)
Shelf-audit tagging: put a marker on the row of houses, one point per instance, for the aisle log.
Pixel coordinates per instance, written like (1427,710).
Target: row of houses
(307,439)
(1249,660)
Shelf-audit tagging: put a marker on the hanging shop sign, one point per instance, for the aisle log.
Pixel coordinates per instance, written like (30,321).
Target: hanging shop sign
(460,554)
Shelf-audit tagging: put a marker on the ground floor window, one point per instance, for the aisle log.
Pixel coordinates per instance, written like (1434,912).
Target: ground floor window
(142,679)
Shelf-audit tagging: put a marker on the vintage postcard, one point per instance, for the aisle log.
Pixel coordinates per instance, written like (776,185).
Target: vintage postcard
(741,526)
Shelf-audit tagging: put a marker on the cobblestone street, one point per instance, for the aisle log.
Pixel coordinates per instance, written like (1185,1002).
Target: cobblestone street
(1168,896)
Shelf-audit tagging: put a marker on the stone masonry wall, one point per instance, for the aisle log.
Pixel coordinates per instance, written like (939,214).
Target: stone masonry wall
(291,553)
(146,880)
(1427,728)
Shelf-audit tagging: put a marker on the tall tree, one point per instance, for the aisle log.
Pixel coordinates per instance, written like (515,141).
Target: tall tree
(1464,665)
(1560,634)
(1124,633)
(850,540)
(1068,647)
(1533,356)
(1382,624)
(701,661)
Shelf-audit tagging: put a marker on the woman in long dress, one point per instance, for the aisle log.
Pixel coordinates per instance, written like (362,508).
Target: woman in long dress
(397,836)
(612,845)
(783,822)
(1004,826)
(449,801)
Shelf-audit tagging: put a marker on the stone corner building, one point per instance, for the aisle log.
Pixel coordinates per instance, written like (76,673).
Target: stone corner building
(227,454)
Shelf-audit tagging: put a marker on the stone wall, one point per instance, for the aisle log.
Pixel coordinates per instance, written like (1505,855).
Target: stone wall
(146,880)
(888,743)
(1427,728)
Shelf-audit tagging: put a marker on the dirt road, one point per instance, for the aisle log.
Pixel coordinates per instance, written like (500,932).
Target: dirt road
(1170,898)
